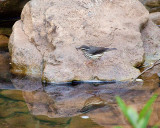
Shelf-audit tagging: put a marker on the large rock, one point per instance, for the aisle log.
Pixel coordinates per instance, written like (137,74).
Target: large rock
(49,31)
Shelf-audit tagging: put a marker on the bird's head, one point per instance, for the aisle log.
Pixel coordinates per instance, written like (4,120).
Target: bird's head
(83,48)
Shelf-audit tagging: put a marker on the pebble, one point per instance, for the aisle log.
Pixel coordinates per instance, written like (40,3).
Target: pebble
(139,80)
(84,117)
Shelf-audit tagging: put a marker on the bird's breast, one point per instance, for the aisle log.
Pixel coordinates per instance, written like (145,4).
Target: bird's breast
(91,56)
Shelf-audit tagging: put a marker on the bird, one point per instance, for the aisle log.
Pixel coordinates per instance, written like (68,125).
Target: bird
(93,52)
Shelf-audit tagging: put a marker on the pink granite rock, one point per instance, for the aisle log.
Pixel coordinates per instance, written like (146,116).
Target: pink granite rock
(49,32)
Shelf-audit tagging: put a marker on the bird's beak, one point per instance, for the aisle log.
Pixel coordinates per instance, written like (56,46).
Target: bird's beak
(77,48)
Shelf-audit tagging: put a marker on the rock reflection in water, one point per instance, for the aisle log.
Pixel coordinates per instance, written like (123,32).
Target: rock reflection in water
(95,101)
(68,101)
(27,83)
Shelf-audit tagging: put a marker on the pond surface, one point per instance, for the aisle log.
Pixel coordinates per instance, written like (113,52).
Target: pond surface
(26,103)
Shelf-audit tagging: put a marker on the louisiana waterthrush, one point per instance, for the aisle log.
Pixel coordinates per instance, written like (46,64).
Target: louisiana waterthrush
(92,52)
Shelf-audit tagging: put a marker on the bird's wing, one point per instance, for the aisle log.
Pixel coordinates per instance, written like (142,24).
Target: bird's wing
(97,50)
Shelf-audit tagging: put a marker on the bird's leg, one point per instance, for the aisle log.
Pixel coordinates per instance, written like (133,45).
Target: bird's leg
(90,62)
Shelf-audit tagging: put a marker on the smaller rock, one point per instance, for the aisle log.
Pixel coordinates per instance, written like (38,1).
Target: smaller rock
(151,38)
(155,17)
(139,80)
(84,117)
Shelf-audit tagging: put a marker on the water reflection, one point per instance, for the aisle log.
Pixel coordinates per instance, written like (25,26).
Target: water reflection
(26,83)
(53,103)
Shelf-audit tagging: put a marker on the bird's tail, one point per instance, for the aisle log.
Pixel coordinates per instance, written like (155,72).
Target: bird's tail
(110,49)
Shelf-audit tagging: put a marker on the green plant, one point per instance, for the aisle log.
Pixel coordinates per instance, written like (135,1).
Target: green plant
(137,120)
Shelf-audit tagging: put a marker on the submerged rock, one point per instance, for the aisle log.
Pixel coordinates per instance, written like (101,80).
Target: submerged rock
(3,43)
(92,103)
(44,41)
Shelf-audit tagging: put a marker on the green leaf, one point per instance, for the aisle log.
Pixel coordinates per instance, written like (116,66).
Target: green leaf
(155,126)
(137,121)
(129,113)
(144,121)
(118,127)
(132,116)
(122,105)
(140,123)
(147,106)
